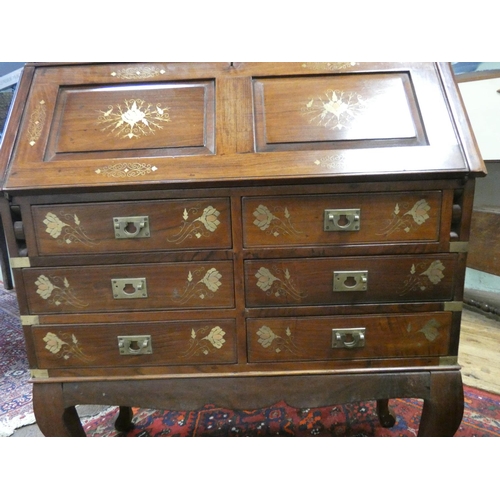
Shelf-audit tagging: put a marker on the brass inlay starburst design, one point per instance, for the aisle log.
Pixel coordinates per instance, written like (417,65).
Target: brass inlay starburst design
(135,118)
(36,122)
(200,227)
(406,221)
(138,73)
(205,343)
(267,338)
(271,224)
(430,329)
(67,232)
(65,347)
(126,170)
(283,286)
(57,291)
(335,109)
(202,288)
(420,280)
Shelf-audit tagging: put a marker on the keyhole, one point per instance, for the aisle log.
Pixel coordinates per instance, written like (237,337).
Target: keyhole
(134,346)
(131,228)
(343,221)
(350,282)
(129,288)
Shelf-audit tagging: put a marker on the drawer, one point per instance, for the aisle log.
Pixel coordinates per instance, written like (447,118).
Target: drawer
(348,337)
(342,219)
(130,288)
(132,227)
(136,344)
(356,280)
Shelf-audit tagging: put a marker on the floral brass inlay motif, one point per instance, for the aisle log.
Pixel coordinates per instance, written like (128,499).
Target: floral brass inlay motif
(430,330)
(334,161)
(266,221)
(57,291)
(420,280)
(279,287)
(267,338)
(330,66)
(135,118)
(335,110)
(408,220)
(203,288)
(36,122)
(66,348)
(207,343)
(203,225)
(67,232)
(138,73)
(126,170)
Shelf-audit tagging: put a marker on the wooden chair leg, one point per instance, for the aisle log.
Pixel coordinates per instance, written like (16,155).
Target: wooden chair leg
(443,410)
(52,417)
(123,422)
(385,415)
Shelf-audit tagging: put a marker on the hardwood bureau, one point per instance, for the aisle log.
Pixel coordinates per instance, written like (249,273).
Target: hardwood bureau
(239,234)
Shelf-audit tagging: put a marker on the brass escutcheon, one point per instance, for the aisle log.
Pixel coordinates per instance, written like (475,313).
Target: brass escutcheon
(134,345)
(129,288)
(348,338)
(343,219)
(131,227)
(350,281)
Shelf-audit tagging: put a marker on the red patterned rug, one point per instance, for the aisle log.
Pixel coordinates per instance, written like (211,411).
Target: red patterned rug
(481,419)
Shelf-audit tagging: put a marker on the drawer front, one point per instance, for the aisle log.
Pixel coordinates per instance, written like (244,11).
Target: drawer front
(130,288)
(355,280)
(348,337)
(136,344)
(132,227)
(341,219)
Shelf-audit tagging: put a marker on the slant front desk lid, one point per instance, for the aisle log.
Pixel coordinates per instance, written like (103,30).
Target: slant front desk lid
(119,124)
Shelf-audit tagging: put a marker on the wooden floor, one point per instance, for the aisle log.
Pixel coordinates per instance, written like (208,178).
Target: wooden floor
(479,352)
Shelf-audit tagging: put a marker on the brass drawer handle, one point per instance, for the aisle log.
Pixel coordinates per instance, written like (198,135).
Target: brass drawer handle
(348,338)
(129,288)
(134,345)
(131,227)
(343,219)
(350,281)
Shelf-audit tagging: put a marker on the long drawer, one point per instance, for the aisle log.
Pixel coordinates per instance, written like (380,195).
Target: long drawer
(342,219)
(132,226)
(130,288)
(407,278)
(348,337)
(136,344)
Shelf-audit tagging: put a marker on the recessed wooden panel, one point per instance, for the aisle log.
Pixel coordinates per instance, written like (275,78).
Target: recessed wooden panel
(409,278)
(169,286)
(312,111)
(383,218)
(310,339)
(119,118)
(172,343)
(172,225)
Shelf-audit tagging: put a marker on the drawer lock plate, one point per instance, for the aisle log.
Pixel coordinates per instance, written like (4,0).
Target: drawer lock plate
(131,227)
(129,288)
(350,281)
(343,219)
(133,345)
(348,338)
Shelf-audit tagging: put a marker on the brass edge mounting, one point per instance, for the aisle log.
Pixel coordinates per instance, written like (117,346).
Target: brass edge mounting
(453,306)
(39,373)
(19,262)
(448,360)
(30,320)
(459,246)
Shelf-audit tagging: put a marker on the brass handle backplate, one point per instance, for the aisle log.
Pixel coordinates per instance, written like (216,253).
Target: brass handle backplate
(134,345)
(342,219)
(350,281)
(348,338)
(131,227)
(129,288)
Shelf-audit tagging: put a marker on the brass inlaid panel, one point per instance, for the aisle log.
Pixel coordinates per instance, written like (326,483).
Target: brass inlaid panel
(310,339)
(175,342)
